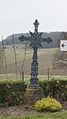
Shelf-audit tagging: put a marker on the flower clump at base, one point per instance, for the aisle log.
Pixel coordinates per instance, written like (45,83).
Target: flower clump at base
(48,104)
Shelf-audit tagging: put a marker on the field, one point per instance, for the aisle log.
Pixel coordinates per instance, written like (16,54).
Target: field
(45,60)
(12,77)
(57,115)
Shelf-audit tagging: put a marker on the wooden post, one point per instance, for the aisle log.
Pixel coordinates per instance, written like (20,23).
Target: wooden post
(48,73)
(22,73)
(4,58)
(15,56)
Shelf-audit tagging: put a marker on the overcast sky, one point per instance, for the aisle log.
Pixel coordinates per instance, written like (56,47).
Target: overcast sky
(17,16)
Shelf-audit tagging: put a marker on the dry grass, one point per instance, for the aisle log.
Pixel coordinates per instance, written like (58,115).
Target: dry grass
(45,60)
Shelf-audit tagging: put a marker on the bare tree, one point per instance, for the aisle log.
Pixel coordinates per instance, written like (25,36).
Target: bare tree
(15,56)
(3,47)
(23,61)
(1,58)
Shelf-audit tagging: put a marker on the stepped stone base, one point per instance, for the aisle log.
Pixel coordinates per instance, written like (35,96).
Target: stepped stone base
(33,93)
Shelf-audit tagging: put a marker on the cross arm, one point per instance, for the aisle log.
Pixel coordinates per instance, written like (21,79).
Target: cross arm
(40,34)
(31,33)
(23,38)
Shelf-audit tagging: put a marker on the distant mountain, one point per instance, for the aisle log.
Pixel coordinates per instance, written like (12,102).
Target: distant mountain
(55,36)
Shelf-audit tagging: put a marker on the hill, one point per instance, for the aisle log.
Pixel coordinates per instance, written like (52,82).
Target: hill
(55,36)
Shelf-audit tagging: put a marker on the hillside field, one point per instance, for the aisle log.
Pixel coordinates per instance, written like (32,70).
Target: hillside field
(45,60)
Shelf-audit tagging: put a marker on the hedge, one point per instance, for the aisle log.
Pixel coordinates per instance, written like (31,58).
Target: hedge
(11,93)
(55,88)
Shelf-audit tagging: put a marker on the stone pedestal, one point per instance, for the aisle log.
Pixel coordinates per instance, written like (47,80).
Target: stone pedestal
(33,93)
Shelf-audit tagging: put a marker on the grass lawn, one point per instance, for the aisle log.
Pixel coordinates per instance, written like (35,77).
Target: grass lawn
(56,115)
(12,77)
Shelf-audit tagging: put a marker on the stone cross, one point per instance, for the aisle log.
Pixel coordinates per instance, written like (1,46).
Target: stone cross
(35,40)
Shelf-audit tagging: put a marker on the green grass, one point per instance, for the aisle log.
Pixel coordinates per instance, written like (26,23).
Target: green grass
(56,77)
(27,77)
(57,115)
(12,77)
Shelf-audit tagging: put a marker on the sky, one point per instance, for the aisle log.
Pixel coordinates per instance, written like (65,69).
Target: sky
(17,16)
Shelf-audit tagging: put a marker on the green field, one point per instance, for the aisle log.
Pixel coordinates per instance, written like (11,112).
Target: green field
(57,115)
(45,60)
(20,53)
(45,57)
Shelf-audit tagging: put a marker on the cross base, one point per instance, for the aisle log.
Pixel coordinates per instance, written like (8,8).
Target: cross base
(33,93)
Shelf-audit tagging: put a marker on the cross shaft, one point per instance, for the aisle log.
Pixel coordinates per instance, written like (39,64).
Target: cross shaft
(35,40)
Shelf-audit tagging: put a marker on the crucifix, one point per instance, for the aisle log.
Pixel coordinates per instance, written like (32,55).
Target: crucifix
(35,40)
